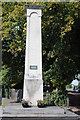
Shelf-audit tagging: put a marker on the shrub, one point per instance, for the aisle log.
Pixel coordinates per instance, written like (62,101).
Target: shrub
(59,98)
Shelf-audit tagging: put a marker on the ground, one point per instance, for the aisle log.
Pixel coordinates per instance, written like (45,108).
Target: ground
(75,109)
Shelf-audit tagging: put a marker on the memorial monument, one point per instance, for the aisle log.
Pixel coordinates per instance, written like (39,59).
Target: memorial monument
(33,83)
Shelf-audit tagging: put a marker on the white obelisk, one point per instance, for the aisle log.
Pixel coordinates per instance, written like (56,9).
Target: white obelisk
(33,83)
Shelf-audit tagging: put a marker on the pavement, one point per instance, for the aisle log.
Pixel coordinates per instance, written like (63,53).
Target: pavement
(75,109)
(15,111)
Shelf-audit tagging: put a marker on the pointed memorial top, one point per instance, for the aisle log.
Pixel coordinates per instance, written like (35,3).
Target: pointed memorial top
(28,6)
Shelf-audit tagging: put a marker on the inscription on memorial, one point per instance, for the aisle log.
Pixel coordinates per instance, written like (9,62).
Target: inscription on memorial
(33,67)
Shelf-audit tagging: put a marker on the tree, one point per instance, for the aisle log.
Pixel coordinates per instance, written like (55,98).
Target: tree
(61,21)
(13,38)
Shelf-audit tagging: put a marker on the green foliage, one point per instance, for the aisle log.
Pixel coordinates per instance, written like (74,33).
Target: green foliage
(3,76)
(69,86)
(40,102)
(79,85)
(5,80)
(6,92)
(14,24)
(49,100)
(59,97)
(0,96)
(14,37)
(60,51)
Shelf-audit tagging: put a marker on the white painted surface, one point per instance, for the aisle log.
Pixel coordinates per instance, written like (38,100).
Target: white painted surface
(33,84)
(75,82)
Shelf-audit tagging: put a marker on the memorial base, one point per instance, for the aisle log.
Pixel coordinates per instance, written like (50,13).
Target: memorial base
(17,112)
(33,90)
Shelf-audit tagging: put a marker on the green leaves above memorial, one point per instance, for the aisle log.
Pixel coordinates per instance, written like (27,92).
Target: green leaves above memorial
(61,42)
(13,22)
(13,39)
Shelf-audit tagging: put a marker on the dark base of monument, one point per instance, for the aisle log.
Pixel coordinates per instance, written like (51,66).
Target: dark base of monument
(17,112)
(38,118)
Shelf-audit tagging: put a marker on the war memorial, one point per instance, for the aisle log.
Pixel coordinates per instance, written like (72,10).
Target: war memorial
(33,83)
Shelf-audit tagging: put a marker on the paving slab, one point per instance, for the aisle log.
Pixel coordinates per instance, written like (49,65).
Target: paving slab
(15,111)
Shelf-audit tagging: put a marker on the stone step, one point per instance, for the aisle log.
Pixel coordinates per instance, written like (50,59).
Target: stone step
(40,118)
(17,112)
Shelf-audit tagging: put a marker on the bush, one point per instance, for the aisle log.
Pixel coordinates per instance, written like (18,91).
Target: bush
(69,86)
(48,100)
(59,98)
